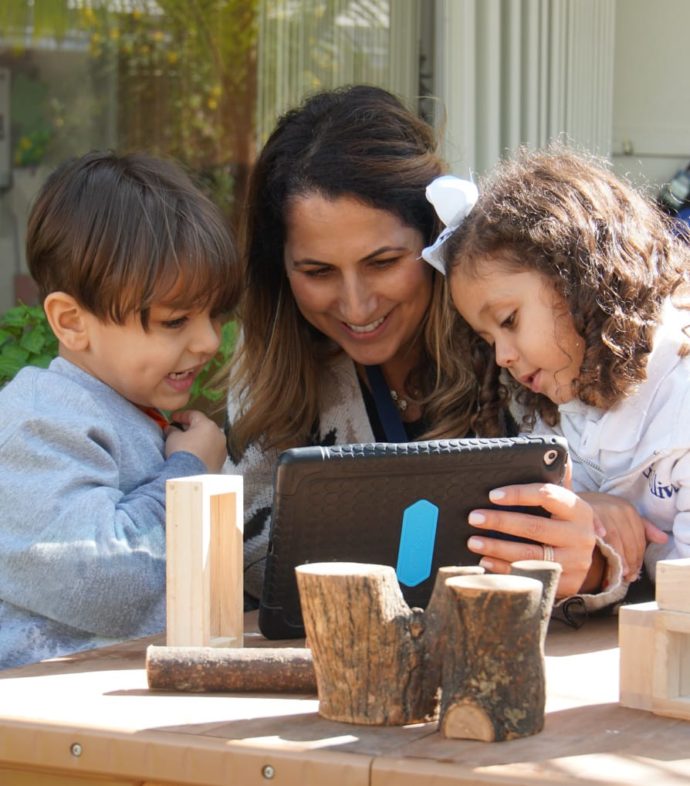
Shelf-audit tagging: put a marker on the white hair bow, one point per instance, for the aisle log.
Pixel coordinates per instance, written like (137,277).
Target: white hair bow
(452,199)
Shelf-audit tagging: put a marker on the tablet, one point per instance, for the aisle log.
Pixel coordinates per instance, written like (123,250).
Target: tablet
(404,505)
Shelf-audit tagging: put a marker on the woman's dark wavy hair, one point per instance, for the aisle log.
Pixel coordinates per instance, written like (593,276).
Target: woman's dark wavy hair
(607,249)
(359,142)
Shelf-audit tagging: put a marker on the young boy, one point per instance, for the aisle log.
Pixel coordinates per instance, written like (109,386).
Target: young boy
(136,272)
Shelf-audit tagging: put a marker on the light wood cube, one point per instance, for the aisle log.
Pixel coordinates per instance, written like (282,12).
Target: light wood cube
(673,584)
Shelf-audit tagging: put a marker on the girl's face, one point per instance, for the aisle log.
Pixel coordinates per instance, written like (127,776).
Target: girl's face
(356,275)
(526,321)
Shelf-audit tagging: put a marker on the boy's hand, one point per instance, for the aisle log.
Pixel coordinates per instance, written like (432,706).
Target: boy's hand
(199,435)
(622,527)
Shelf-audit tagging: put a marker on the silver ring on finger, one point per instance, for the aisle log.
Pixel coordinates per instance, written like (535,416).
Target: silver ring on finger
(549,554)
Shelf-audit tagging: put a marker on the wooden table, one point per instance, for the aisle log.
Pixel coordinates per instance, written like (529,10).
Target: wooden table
(90,719)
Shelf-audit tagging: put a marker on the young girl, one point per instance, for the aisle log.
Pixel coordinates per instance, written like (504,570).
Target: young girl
(573,279)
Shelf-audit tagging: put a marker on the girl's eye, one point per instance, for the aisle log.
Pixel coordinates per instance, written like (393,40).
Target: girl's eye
(173,324)
(509,321)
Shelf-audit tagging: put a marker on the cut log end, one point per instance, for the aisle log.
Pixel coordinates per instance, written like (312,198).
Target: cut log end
(465,721)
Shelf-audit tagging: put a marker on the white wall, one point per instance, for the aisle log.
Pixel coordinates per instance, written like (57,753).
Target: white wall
(651,103)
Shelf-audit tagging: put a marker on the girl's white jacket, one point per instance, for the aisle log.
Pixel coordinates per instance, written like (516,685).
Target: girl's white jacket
(640,448)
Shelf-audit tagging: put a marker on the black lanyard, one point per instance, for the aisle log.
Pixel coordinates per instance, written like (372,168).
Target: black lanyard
(388,412)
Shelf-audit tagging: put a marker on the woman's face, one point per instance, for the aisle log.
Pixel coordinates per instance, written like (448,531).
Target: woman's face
(356,275)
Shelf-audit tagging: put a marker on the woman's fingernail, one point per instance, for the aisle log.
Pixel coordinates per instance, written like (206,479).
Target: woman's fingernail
(475,544)
(476,517)
(487,564)
(496,494)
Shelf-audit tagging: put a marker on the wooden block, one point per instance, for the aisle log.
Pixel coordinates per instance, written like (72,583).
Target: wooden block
(671,675)
(204,522)
(636,628)
(655,660)
(673,584)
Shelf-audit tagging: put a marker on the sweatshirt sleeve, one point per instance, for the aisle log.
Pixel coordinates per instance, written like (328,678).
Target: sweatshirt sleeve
(678,544)
(74,547)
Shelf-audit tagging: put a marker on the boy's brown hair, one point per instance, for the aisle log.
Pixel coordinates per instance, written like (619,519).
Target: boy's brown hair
(120,232)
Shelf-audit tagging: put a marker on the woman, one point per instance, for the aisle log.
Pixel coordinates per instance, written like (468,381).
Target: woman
(338,302)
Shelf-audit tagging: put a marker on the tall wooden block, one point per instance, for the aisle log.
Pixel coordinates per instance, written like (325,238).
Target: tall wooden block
(671,676)
(204,521)
(636,627)
(673,584)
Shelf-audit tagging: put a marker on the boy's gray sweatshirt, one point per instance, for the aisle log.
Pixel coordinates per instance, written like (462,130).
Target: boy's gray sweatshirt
(82,515)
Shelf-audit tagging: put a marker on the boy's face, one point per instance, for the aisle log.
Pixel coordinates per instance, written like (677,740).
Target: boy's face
(528,324)
(154,367)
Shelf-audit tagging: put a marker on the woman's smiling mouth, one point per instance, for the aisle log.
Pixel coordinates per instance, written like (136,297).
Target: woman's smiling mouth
(363,329)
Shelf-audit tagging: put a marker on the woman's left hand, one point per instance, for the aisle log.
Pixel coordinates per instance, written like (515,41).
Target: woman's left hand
(569,532)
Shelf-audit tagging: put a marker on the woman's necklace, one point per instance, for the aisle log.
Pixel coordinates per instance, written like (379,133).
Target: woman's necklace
(400,402)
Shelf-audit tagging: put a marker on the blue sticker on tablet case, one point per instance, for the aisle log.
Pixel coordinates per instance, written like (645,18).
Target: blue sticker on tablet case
(417,538)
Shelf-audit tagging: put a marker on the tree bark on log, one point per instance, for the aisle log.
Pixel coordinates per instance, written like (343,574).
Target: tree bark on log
(493,677)
(439,634)
(549,573)
(232,670)
(367,644)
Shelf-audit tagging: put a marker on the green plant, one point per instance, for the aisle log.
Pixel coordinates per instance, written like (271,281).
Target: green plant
(25,340)
(207,390)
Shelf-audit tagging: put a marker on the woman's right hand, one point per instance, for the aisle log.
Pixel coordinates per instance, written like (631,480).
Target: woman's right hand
(569,532)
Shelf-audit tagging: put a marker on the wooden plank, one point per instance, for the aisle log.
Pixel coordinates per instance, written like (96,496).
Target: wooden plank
(33,778)
(204,521)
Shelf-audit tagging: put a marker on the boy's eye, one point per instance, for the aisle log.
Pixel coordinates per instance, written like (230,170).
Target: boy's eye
(509,321)
(172,324)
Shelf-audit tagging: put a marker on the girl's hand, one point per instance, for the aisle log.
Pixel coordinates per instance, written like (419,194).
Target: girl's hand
(199,435)
(622,527)
(569,531)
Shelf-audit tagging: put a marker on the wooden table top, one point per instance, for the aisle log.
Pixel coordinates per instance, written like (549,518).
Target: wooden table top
(99,701)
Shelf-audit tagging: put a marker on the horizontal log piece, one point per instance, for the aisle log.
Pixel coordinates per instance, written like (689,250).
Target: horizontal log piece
(231,670)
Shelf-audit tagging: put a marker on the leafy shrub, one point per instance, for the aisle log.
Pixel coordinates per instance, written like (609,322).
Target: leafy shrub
(25,340)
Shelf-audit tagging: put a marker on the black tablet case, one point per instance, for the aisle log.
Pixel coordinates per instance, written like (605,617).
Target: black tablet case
(347,503)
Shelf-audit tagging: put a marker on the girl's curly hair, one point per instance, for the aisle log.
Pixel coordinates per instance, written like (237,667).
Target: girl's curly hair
(608,250)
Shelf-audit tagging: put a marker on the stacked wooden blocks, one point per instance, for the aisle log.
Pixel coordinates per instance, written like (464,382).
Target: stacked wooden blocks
(654,643)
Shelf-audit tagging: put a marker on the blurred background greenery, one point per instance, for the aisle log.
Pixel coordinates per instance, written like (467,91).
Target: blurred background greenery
(201,81)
